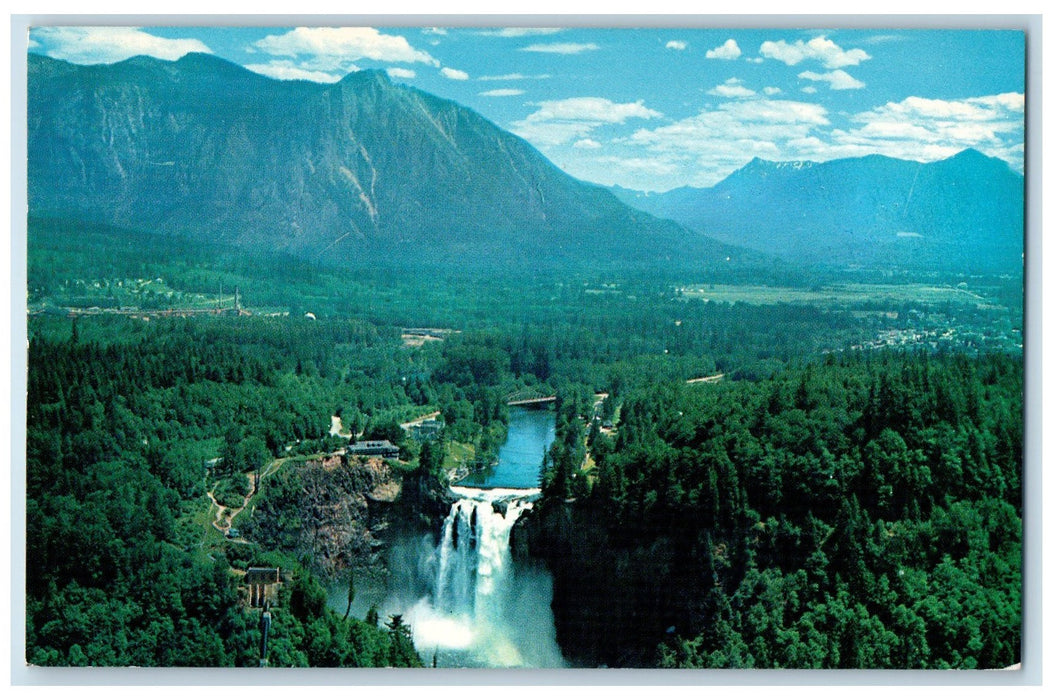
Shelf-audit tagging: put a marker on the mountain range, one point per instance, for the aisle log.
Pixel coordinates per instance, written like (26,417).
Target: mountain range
(961,214)
(365,171)
(362,170)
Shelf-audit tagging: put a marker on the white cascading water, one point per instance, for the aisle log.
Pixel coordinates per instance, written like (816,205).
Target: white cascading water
(481,610)
(471,560)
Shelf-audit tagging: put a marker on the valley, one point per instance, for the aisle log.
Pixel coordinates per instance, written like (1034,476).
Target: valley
(628,341)
(356,359)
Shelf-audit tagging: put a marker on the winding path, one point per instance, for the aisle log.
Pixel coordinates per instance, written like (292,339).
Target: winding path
(225,514)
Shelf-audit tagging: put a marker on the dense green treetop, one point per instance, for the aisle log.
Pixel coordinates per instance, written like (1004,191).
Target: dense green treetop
(862,512)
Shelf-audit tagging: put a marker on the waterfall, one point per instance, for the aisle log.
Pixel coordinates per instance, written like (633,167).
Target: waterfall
(472,561)
(480,609)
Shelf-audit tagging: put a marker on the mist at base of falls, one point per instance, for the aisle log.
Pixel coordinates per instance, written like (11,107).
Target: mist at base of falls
(467,602)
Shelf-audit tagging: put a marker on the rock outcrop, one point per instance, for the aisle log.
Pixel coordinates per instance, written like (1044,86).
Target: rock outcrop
(335,510)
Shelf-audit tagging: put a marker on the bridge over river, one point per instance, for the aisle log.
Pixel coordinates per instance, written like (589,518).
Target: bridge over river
(532,402)
(528,397)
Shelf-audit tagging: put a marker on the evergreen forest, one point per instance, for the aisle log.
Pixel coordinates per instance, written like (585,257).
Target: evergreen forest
(830,496)
(859,512)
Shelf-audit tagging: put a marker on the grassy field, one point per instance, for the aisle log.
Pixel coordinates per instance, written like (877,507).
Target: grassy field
(457,455)
(842,295)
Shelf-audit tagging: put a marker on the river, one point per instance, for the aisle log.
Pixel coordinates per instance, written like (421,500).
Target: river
(530,432)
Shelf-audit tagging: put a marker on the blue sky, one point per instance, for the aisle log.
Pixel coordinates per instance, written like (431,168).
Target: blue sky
(653,109)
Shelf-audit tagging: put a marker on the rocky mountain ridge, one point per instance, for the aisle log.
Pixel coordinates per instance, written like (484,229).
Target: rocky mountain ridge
(961,214)
(361,171)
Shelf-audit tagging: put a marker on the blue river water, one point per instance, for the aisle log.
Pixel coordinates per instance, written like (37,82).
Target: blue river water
(530,432)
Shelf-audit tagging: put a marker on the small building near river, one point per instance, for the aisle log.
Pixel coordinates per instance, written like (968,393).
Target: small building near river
(260,586)
(373,448)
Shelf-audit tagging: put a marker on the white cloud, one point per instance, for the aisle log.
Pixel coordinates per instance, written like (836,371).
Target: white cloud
(561,121)
(728,51)
(772,91)
(892,129)
(624,169)
(1009,101)
(978,109)
(707,147)
(780,112)
(552,133)
(732,87)
(440,31)
(91,45)
(515,76)
(703,149)
(809,89)
(756,59)
(758,120)
(502,92)
(818,49)
(927,129)
(768,120)
(514,32)
(565,49)
(838,79)
(598,109)
(454,74)
(402,73)
(286,70)
(884,38)
(334,49)
(676,45)
(587,144)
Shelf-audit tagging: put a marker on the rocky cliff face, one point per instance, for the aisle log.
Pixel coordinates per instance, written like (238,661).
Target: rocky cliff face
(344,513)
(608,601)
(359,170)
(336,510)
